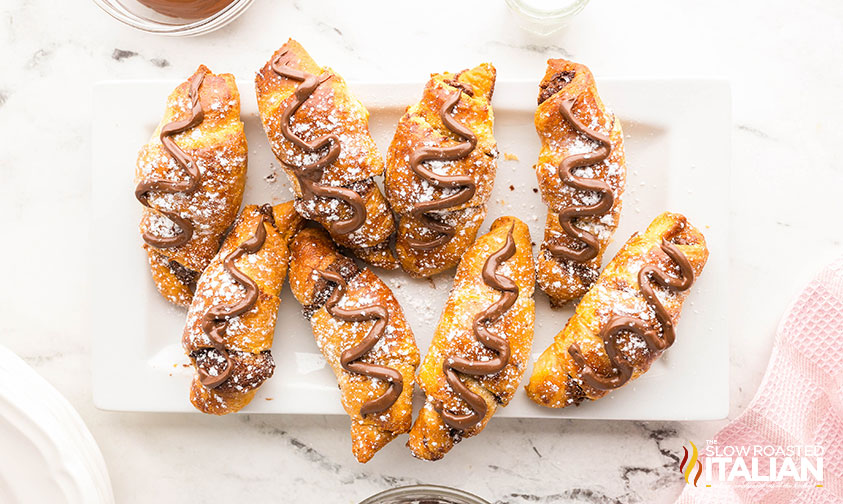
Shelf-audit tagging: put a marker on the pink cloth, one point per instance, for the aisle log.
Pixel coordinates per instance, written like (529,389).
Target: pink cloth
(799,402)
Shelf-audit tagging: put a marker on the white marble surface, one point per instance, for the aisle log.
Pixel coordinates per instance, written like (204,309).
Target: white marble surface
(786,69)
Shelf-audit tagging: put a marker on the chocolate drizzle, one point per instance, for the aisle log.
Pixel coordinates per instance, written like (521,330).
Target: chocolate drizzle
(185,227)
(350,358)
(607,199)
(464,183)
(309,175)
(499,345)
(215,321)
(622,369)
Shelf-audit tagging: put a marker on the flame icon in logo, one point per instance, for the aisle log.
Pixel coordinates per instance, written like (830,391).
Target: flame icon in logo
(690,462)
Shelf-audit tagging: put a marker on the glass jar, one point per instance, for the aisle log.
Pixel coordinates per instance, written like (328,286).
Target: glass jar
(424,494)
(138,15)
(544,17)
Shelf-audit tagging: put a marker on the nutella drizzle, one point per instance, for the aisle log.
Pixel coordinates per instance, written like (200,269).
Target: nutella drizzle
(215,321)
(308,175)
(465,183)
(622,369)
(185,162)
(350,358)
(455,364)
(607,199)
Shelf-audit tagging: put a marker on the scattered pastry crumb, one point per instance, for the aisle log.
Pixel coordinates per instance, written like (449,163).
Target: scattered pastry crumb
(271,178)
(424,309)
(508,156)
(431,282)
(511,187)
(397,283)
(535,189)
(268,398)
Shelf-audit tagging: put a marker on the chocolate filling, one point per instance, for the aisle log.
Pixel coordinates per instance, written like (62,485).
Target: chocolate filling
(555,84)
(184,275)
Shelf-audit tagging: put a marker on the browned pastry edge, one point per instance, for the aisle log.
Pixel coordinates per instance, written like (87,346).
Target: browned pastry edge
(556,379)
(312,255)
(352,172)
(249,347)
(218,136)
(561,278)
(433,435)
(423,129)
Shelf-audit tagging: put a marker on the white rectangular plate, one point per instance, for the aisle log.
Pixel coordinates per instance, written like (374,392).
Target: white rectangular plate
(677,147)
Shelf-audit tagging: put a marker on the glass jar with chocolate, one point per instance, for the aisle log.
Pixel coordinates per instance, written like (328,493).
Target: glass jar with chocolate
(424,494)
(175,17)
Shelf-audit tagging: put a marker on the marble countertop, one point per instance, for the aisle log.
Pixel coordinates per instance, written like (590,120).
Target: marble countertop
(786,193)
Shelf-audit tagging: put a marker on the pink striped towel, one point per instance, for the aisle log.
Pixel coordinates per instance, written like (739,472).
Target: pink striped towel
(799,403)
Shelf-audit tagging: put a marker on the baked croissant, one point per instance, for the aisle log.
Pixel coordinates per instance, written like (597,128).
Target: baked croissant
(582,175)
(626,320)
(482,344)
(320,133)
(231,321)
(190,179)
(361,330)
(440,169)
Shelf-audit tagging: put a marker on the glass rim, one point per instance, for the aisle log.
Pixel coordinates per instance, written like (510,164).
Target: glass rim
(539,14)
(121,13)
(424,492)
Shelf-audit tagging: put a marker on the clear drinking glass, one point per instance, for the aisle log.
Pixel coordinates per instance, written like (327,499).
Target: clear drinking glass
(544,17)
(137,15)
(424,494)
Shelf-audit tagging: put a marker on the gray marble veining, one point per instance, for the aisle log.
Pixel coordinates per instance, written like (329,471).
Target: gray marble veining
(786,103)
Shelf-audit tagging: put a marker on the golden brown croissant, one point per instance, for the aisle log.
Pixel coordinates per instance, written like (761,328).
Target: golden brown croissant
(582,175)
(626,320)
(440,169)
(190,179)
(482,343)
(320,133)
(231,321)
(361,330)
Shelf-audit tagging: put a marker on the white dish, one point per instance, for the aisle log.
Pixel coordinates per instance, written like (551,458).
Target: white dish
(677,146)
(48,453)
